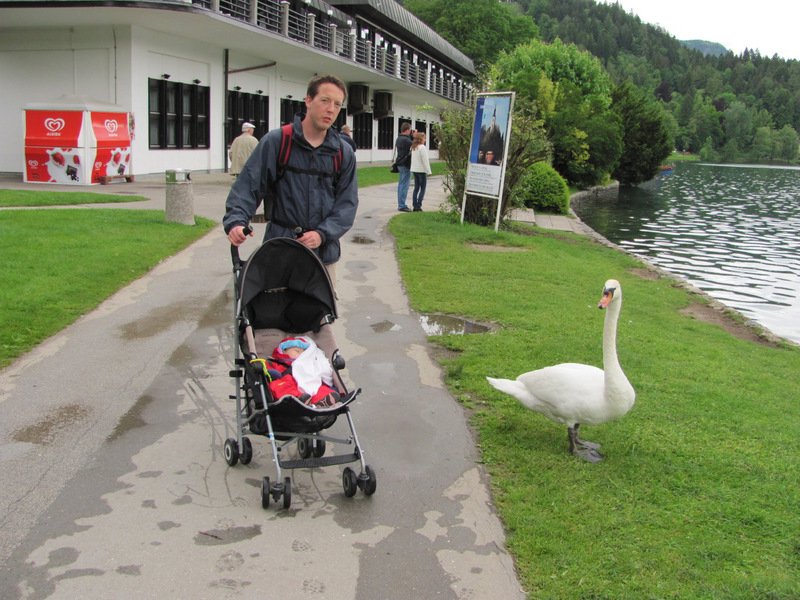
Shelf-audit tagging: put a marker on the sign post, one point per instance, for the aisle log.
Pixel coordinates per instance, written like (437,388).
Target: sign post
(488,149)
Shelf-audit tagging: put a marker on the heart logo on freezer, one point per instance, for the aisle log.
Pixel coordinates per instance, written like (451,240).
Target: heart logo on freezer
(111,126)
(54,125)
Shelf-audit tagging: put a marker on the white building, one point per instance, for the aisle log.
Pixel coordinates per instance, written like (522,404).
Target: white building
(190,72)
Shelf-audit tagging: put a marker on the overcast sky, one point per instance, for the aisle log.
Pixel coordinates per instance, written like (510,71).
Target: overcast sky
(770,26)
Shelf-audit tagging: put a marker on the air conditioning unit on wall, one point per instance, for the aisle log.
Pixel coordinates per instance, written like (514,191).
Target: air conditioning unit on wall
(382,104)
(357,99)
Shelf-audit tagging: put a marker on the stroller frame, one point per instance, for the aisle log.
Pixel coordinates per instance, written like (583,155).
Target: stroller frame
(287,420)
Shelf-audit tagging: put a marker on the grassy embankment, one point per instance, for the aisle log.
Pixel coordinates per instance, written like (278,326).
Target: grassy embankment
(698,495)
(59,264)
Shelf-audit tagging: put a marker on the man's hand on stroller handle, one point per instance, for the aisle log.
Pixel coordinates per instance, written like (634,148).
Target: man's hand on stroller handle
(310,239)
(238,234)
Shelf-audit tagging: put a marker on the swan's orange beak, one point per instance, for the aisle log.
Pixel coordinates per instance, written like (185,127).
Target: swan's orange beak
(606,299)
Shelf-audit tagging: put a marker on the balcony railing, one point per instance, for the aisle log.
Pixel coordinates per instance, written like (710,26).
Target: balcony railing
(304,27)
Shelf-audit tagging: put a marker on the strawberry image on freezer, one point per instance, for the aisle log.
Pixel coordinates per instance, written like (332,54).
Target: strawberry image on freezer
(117,163)
(64,165)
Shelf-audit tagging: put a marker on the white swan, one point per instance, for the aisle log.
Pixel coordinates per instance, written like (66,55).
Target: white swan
(572,393)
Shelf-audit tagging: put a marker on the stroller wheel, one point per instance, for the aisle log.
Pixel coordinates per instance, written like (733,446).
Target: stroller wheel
(231,452)
(287,492)
(304,447)
(265,489)
(318,449)
(367,481)
(349,482)
(247,452)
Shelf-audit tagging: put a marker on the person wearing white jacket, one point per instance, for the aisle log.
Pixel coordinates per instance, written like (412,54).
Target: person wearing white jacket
(421,168)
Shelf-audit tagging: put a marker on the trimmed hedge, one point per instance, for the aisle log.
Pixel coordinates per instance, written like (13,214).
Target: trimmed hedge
(542,188)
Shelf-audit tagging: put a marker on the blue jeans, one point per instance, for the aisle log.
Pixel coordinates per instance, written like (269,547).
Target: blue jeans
(402,186)
(420,182)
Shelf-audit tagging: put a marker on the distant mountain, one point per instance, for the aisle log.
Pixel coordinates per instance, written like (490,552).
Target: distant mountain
(706,48)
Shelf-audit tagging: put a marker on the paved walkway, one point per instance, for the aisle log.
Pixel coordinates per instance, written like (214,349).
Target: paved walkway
(113,483)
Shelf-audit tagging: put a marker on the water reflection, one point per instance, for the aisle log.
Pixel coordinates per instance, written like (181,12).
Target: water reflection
(436,324)
(731,231)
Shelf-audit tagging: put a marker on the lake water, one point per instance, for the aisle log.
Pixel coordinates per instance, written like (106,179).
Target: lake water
(732,231)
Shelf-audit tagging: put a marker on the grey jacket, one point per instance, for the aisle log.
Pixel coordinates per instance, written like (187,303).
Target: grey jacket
(304,196)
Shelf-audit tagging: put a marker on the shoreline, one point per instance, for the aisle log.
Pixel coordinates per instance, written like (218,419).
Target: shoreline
(719,308)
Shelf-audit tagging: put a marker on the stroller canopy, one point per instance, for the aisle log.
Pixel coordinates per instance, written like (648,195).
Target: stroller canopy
(285,286)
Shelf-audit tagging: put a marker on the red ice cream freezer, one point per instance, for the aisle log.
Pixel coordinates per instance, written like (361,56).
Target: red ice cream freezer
(80,145)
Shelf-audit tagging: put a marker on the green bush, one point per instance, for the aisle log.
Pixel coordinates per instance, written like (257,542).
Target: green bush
(542,188)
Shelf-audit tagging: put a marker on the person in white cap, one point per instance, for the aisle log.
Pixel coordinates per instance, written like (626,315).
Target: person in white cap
(242,147)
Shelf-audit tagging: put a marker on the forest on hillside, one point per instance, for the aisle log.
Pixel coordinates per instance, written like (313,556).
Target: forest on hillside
(730,108)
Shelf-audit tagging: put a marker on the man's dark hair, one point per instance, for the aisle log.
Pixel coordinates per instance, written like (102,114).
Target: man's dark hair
(405,127)
(318,80)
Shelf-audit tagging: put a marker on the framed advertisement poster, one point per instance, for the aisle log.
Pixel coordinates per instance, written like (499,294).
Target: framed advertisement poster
(488,148)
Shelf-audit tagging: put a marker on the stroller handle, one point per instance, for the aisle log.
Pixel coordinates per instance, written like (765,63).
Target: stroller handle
(235,249)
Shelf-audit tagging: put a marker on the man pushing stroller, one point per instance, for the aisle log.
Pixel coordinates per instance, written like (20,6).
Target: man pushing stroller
(305,176)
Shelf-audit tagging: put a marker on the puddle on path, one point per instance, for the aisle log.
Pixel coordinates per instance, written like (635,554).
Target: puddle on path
(54,424)
(132,419)
(384,326)
(434,324)
(361,239)
(230,535)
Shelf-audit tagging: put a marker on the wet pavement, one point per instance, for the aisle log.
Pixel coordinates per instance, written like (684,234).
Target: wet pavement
(113,483)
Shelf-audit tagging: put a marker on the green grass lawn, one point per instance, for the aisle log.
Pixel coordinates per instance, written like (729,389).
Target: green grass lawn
(698,495)
(58,264)
(368,176)
(76,268)
(59,198)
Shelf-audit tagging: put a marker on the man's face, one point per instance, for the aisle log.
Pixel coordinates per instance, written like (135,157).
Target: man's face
(323,108)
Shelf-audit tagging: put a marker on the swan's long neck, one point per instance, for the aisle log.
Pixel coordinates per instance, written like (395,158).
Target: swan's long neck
(610,360)
(618,390)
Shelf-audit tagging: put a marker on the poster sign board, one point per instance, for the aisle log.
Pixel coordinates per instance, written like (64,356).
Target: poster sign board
(488,148)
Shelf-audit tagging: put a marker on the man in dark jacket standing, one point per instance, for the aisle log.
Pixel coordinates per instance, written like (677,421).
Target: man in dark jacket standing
(310,195)
(402,151)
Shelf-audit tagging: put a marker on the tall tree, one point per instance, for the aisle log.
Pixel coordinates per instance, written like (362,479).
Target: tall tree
(571,92)
(646,142)
(481,29)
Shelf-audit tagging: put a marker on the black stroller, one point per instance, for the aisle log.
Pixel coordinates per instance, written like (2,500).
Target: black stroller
(284,289)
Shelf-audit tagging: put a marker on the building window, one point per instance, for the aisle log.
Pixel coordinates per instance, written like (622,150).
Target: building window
(243,107)
(433,140)
(386,133)
(178,115)
(341,119)
(289,108)
(362,130)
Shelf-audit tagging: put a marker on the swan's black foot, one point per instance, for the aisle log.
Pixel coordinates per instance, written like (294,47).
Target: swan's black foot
(586,444)
(588,454)
(586,450)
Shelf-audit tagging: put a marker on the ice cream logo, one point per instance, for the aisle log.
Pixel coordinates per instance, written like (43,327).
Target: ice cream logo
(54,125)
(33,163)
(111,126)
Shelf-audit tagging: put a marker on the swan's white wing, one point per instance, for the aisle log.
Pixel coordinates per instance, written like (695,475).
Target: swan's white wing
(568,393)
